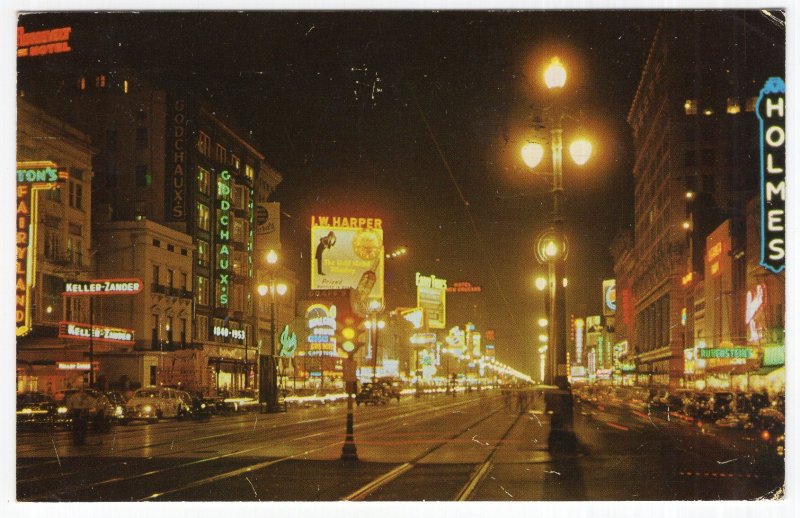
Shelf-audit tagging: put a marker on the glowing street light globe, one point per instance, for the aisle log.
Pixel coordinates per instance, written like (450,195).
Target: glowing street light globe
(272,257)
(543,339)
(532,154)
(263,289)
(542,322)
(556,75)
(541,283)
(281,289)
(580,151)
(551,249)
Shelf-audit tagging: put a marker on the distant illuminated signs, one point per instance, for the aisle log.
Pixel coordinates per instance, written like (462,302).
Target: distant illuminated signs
(476,345)
(288,343)
(726,352)
(347,252)
(609,297)
(489,350)
(456,340)
(227,332)
(431,296)
(103,287)
(97,333)
(176,160)
(224,236)
(594,324)
(577,371)
(463,287)
(423,338)
(414,316)
(687,279)
(774,355)
(42,43)
(771,118)
(31,178)
(579,326)
(321,322)
(718,246)
(753,304)
(604,374)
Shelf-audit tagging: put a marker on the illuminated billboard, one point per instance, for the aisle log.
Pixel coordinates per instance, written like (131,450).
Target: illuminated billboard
(348,253)
(97,333)
(431,296)
(103,287)
(609,297)
(43,43)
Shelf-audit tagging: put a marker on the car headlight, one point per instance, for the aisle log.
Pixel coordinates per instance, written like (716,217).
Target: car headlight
(147,409)
(202,405)
(26,411)
(119,410)
(61,410)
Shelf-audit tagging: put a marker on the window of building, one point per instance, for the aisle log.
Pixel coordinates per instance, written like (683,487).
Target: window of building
(238,229)
(82,83)
(690,106)
(708,111)
(76,195)
(170,277)
(184,251)
(111,139)
(157,243)
(690,158)
(100,81)
(235,162)
(156,276)
(125,86)
(203,255)
(74,251)
(240,196)
(203,217)
(201,291)
(203,181)
(733,105)
(143,178)
(76,173)
(184,281)
(204,144)
(238,297)
(220,153)
(201,327)
(75,229)
(142,138)
(249,172)
(53,195)
(170,248)
(750,104)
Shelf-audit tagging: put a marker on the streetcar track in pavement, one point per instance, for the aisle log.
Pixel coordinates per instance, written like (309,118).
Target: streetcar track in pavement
(334,428)
(386,478)
(384,423)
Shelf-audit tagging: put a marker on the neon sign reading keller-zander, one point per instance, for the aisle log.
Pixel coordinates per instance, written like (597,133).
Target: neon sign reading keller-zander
(103,287)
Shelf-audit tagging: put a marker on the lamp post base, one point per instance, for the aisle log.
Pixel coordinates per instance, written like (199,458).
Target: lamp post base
(349,446)
(561,439)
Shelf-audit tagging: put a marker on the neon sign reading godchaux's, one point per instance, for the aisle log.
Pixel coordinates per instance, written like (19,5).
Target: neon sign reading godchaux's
(224,236)
(771,117)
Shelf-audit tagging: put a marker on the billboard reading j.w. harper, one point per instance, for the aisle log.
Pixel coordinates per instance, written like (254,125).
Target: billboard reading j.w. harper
(347,252)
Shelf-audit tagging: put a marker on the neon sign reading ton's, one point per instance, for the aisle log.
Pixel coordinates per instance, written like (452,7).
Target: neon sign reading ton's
(224,236)
(771,117)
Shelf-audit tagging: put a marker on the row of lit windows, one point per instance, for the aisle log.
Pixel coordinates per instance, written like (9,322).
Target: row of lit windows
(100,82)
(733,106)
(239,227)
(221,155)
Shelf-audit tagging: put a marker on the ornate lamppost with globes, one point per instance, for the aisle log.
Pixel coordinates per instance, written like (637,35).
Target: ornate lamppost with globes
(551,249)
(268,380)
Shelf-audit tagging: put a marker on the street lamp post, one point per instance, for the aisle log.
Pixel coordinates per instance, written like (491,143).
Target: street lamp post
(552,250)
(268,395)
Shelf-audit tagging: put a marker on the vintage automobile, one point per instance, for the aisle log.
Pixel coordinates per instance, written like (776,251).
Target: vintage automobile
(153,404)
(35,409)
(100,412)
(371,393)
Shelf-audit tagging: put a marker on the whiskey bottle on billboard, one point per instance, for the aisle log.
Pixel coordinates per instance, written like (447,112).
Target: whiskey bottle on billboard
(367,281)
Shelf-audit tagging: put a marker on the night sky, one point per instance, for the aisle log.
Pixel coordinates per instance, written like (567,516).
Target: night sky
(416,118)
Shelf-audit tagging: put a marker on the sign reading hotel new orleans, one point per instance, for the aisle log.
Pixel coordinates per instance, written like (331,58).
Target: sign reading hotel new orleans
(770,110)
(431,296)
(31,178)
(224,236)
(176,165)
(347,252)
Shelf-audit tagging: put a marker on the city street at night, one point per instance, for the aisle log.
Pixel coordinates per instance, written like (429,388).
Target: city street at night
(437,447)
(411,256)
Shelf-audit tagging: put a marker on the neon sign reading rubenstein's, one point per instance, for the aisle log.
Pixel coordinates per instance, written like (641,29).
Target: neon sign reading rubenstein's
(771,116)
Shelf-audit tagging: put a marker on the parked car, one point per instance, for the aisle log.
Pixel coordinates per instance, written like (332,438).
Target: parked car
(35,409)
(100,411)
(719,405)
(242,400)
(391,388)
(203,407)
(152,404)
(371,393)
(118,402)
(697,405)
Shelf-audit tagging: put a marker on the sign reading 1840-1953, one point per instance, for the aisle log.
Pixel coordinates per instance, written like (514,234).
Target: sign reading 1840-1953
(771,116)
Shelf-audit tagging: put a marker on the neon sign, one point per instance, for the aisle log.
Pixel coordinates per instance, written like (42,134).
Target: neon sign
(97,333)
(42,43)
(321,322)
(224,236)
(288,343)
(579,324)
(176,155)
(103,287)
(226,332)
(753,304)
(771,118)
(726,352)
(31,177)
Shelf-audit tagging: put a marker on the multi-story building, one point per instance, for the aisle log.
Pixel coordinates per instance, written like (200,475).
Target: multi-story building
(696,162)
(58,237)
(167,156)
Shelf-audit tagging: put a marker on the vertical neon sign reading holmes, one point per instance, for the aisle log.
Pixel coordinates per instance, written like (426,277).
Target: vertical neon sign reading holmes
(771,117)
(224,255)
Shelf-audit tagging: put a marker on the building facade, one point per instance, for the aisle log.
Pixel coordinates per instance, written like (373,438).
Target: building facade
(696,162)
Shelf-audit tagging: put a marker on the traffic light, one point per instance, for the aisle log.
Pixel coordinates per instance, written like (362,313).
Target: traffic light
(347,333)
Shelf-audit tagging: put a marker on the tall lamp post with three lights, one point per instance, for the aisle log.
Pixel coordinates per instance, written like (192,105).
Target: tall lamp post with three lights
(268,364)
